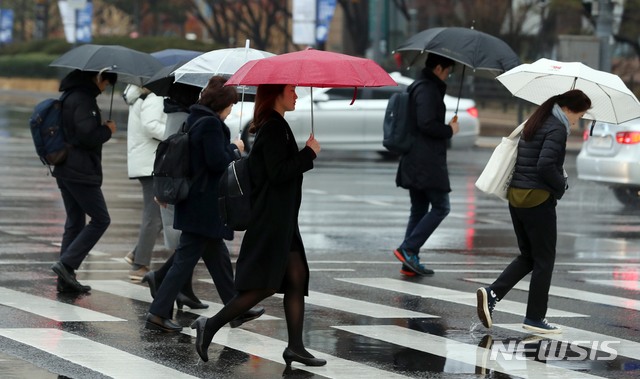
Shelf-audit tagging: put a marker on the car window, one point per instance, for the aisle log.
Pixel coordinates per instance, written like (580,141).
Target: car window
(384,93)
(342,93)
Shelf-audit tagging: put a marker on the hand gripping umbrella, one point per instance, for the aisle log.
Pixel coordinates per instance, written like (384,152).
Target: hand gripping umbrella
(313,68)
(132,66)
(536,82)
(470,47)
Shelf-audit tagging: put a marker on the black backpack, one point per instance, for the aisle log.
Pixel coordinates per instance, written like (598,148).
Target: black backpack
(234,196)
(398,122)
(171,172)
(47,131)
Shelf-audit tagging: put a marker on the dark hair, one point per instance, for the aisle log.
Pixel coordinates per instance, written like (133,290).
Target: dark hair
(216,95)
(433,60)
(265,102)
(574,99)
(112,77)
(184,94)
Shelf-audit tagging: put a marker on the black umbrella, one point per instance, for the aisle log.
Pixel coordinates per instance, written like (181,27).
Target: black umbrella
(132,66)
(470,47)
(162,80)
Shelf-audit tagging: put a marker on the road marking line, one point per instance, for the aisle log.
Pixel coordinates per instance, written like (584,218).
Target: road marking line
(141,293)
(571,293)
(50,309)
(90,354)
(271,349)
(461,352)
(633,285)
(584,338)
(444,294)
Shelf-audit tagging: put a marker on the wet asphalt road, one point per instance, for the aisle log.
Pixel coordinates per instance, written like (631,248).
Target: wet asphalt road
(362,315)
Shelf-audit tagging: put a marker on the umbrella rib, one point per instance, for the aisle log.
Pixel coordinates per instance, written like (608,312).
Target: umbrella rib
(615,114)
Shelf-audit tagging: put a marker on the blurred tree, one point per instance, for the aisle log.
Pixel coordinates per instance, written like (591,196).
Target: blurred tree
(231,22)
(356,22)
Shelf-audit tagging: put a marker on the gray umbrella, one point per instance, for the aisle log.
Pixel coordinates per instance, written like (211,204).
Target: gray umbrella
(132,66)
(470,47)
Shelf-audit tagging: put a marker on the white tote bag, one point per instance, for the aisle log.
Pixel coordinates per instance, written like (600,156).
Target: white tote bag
(496,176)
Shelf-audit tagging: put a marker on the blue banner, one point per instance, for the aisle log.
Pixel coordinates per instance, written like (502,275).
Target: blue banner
(6,26)
(83,26)
(325,11)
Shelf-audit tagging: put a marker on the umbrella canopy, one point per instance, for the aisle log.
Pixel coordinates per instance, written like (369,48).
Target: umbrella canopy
(169,57)
(536,82)
(132,66)
(313,68)
(470,47)
(162,80)
(223,62)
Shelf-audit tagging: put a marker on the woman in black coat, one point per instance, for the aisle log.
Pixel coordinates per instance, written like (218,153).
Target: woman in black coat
(198,216)
(537,184)
(272,257)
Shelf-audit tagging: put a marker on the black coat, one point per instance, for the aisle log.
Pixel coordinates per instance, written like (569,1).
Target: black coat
(276,175)
(540,161)
(209,155)
(425,165)
(84,131)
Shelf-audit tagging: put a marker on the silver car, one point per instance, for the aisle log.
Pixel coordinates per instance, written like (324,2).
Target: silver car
(340,125)
(611,156)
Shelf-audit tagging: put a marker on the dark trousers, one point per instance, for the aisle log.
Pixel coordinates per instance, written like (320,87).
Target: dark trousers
(80,201)
(536,231)
(192,247)
(422,220)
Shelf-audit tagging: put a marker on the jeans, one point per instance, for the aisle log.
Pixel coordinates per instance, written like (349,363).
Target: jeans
(422,220)
(192,247)
(536,231)
(80,201)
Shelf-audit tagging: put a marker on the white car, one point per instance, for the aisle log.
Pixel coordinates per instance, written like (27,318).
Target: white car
(610,157)
(341,126)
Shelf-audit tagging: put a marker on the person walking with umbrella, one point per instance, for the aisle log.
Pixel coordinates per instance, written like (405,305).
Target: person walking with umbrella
(538,182)
(423,169)
(272,256)
(79,177)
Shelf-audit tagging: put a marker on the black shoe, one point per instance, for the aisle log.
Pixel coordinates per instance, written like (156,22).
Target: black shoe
(165,325)
(69,279)
(150,277)
(249,315)
(290,356)
(183,300)
(199,326)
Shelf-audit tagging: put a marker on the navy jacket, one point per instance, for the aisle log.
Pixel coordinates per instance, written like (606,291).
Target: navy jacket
(209,155)
(540,161)
(425,165)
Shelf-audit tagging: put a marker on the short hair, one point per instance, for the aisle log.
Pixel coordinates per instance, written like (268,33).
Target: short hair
(433,60)
(112,77)
(216,95)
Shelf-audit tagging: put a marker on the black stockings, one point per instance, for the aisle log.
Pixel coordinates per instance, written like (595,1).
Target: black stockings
(294,284)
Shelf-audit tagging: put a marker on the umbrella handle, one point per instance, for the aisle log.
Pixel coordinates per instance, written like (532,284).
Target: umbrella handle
(111,105)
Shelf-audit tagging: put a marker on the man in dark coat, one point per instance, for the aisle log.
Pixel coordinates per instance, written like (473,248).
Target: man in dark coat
(79,177)
(423,169)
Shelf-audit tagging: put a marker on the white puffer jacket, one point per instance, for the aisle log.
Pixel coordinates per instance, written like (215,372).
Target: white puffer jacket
(145,129)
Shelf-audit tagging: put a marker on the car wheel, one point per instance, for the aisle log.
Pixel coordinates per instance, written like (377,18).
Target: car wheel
(247,138)
(629,196)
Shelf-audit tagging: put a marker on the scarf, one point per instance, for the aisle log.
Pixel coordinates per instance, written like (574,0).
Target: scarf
(559,114)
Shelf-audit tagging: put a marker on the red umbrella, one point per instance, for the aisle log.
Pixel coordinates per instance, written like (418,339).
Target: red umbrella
(313,68)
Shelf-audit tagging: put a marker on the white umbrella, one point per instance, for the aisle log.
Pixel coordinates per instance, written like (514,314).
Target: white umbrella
(536,82)
(223,62)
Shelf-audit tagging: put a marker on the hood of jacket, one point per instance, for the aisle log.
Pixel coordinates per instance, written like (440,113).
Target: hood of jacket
(79,79)
(131,94)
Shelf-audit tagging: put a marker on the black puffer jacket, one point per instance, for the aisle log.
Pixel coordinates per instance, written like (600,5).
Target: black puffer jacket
(425,165)
(539,163)
(84,131)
